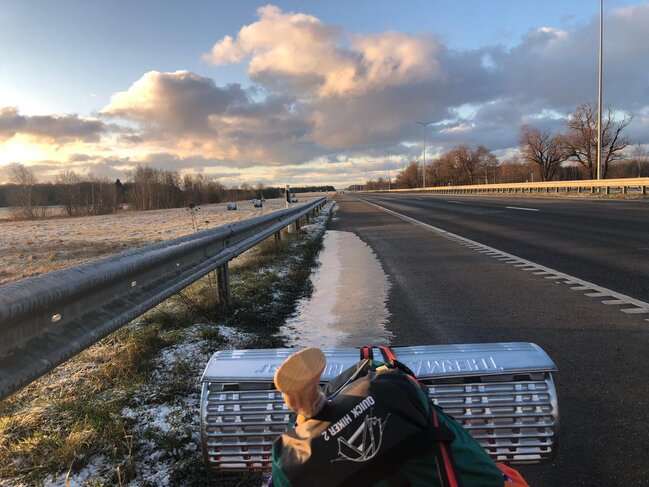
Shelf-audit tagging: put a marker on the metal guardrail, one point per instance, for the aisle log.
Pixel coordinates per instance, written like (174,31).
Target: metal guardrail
(545,186)
(47,319)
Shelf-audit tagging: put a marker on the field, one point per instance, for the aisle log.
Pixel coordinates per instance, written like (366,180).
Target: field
(138,422)
(29,248)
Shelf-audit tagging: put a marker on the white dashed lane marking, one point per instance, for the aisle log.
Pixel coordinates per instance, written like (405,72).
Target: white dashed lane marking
(576,284)
(520,208)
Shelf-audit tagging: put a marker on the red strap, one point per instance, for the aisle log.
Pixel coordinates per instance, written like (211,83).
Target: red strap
(366,353)
(448,466)
(388,353)
(513,477)
(446,457)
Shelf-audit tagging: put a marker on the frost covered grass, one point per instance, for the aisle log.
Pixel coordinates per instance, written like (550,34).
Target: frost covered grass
(126,411)
(35,247)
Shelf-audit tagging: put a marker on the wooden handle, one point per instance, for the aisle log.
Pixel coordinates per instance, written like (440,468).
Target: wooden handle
(298,380)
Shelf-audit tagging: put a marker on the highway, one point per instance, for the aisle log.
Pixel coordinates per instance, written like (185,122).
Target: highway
(590,319)
(606,242)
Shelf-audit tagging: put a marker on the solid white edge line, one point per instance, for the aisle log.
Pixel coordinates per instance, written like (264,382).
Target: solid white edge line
(521,208)
(574,280)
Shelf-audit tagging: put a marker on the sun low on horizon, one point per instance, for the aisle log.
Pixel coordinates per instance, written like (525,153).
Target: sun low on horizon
(300,93)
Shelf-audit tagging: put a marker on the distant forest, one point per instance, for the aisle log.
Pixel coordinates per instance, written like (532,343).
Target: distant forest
(146,188)
(311,189)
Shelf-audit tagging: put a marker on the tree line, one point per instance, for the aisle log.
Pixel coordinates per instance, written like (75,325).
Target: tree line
(146,188)
(312,189)
(543,155)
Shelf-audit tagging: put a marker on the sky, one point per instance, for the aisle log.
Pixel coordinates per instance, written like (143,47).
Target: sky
(301,92)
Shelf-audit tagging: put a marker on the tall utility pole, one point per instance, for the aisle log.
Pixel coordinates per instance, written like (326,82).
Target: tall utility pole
(388,152)
(599,92)
(423,173)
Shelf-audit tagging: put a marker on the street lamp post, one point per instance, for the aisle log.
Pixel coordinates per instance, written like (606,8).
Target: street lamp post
(599,92)
(388,152)
(423,130)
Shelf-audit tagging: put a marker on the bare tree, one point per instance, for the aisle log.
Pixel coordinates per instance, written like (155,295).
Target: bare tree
(542,148)
(447,170)
(486,162)
(581,140)
(467,165)
(24,180)
(410,176)
(463,159)
(433,172)
(514,170)
(640,158)
(72,195)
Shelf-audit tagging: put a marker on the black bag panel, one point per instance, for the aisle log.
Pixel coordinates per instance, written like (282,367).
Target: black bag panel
(361,433)
(334,385)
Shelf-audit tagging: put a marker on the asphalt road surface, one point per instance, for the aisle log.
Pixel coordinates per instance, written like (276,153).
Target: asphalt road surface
(443,291)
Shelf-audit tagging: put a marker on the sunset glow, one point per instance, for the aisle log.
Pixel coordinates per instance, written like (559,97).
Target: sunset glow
(300,93)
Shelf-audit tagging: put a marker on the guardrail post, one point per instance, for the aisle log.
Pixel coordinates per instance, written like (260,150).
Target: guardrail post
(608,190)
(223,283)
(644,190)
(623,189)
(278,237)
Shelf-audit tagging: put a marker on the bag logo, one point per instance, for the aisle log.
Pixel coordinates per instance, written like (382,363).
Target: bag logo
(365,442)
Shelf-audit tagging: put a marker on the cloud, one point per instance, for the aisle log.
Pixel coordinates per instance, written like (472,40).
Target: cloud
(324,103)
(79,157)
(320,92)
(296,51)
(59,129)
(190,114)
(175,103)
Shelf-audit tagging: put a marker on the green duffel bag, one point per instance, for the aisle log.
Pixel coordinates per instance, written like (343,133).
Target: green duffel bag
(379,428)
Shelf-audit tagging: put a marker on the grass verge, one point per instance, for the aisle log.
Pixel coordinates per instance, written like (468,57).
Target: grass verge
(125,411)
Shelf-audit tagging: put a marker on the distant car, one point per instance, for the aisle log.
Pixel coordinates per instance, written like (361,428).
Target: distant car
(232,206)
(258,203)
(293,200)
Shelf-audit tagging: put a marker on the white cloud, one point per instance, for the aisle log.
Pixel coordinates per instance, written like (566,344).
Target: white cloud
(298,51)
(52,128)
(322,94)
